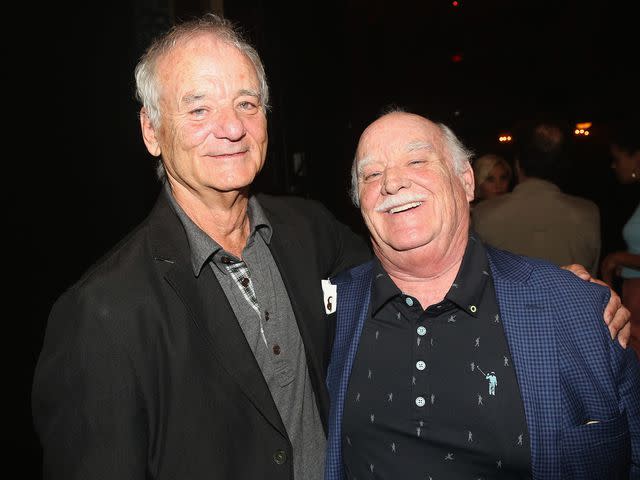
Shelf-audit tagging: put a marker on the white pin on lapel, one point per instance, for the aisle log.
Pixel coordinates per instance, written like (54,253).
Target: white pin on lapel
(330,294)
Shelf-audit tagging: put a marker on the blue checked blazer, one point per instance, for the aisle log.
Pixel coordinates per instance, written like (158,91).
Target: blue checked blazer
(568,368)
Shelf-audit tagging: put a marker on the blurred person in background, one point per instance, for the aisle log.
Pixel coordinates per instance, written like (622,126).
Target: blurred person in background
(537,218)
(624,265)
(493,176)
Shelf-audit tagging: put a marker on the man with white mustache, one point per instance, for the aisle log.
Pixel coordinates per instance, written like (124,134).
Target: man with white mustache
(197,348)
(438,319)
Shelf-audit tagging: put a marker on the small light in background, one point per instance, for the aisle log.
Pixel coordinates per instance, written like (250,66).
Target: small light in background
(582,129)
(505,138)
(455,3)
(456,58)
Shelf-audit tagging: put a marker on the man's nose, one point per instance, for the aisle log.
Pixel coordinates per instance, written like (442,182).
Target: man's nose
(228,124)
(394,181)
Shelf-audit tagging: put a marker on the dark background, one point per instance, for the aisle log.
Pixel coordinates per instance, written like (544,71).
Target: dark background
(79,176)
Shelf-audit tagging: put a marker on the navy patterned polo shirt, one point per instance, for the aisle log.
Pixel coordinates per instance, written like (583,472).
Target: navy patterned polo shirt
(433,392)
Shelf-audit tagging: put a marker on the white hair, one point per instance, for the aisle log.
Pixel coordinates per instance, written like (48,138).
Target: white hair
(458,155)
(147,82)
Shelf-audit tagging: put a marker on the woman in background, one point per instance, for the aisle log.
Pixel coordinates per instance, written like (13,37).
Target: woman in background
(625,149)
(493,176)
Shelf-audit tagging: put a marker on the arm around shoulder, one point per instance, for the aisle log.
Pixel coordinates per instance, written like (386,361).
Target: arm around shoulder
(351,249)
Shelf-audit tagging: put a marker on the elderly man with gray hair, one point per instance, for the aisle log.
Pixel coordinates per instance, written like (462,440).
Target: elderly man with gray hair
(455,360)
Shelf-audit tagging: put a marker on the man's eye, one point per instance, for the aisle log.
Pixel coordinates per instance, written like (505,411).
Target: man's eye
(247,106)
(416,162)
(371,176)
(198,112)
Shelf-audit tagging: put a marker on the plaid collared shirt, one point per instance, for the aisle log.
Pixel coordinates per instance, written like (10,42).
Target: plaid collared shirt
(240,274)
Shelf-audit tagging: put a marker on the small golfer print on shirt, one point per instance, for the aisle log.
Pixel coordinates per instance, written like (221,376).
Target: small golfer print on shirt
(492,379)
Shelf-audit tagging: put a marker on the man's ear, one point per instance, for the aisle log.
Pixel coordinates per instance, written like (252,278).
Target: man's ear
(468,183)
(149,134)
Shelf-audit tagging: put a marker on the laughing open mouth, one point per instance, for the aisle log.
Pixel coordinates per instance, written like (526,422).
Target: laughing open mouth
(405,207)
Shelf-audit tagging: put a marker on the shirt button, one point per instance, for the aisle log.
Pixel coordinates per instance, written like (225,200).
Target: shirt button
(266,316)
(420,401)
(409,301)
(421,330)
(473,308)
(226,260)
(276,349)
(244,281)
(280,456)
(420,365)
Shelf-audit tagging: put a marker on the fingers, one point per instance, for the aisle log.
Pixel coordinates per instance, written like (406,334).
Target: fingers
(611,310)
(624,335)
(621,326)
(578,270)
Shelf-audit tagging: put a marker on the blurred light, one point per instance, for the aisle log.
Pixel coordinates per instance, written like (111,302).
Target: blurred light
(454,3)
(456,58)
(505,138)
(582,129)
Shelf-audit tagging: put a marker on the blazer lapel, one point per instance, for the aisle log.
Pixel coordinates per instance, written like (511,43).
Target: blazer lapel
(211,313)
(305,295)
(529,325)
(354,295)
(304,291)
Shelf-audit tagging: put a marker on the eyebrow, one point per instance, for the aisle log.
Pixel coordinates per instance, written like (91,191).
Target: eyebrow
(251,93)
(363,162)
(419,145)
(192,98)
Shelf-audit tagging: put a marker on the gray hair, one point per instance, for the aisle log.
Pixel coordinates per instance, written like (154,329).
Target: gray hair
(147,82)
(459,156)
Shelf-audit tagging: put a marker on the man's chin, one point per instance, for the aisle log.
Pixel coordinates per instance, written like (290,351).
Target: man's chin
(405,244)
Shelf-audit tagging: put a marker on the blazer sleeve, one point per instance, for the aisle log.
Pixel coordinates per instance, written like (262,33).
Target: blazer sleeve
(628,368)
(84,399)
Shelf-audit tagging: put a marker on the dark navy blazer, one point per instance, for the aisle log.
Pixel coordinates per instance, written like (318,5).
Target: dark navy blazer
(568,369)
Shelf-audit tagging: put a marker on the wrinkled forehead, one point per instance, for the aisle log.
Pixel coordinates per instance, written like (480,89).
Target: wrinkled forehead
(396,136)
(204,50)
(204,64)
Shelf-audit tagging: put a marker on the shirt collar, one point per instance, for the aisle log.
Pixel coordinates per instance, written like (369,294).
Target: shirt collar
(202,246)
(466,291)
(471,280)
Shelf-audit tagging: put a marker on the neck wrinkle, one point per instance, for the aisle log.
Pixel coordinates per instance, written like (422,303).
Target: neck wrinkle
(221,215)
(426,273)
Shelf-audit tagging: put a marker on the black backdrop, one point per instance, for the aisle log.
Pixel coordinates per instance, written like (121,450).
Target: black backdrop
(77,175)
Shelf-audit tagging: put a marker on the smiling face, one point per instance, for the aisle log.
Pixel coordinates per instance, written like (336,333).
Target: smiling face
(410,195)
(213,130)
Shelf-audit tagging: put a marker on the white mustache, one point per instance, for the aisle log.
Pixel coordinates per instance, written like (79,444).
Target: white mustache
(397,200)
